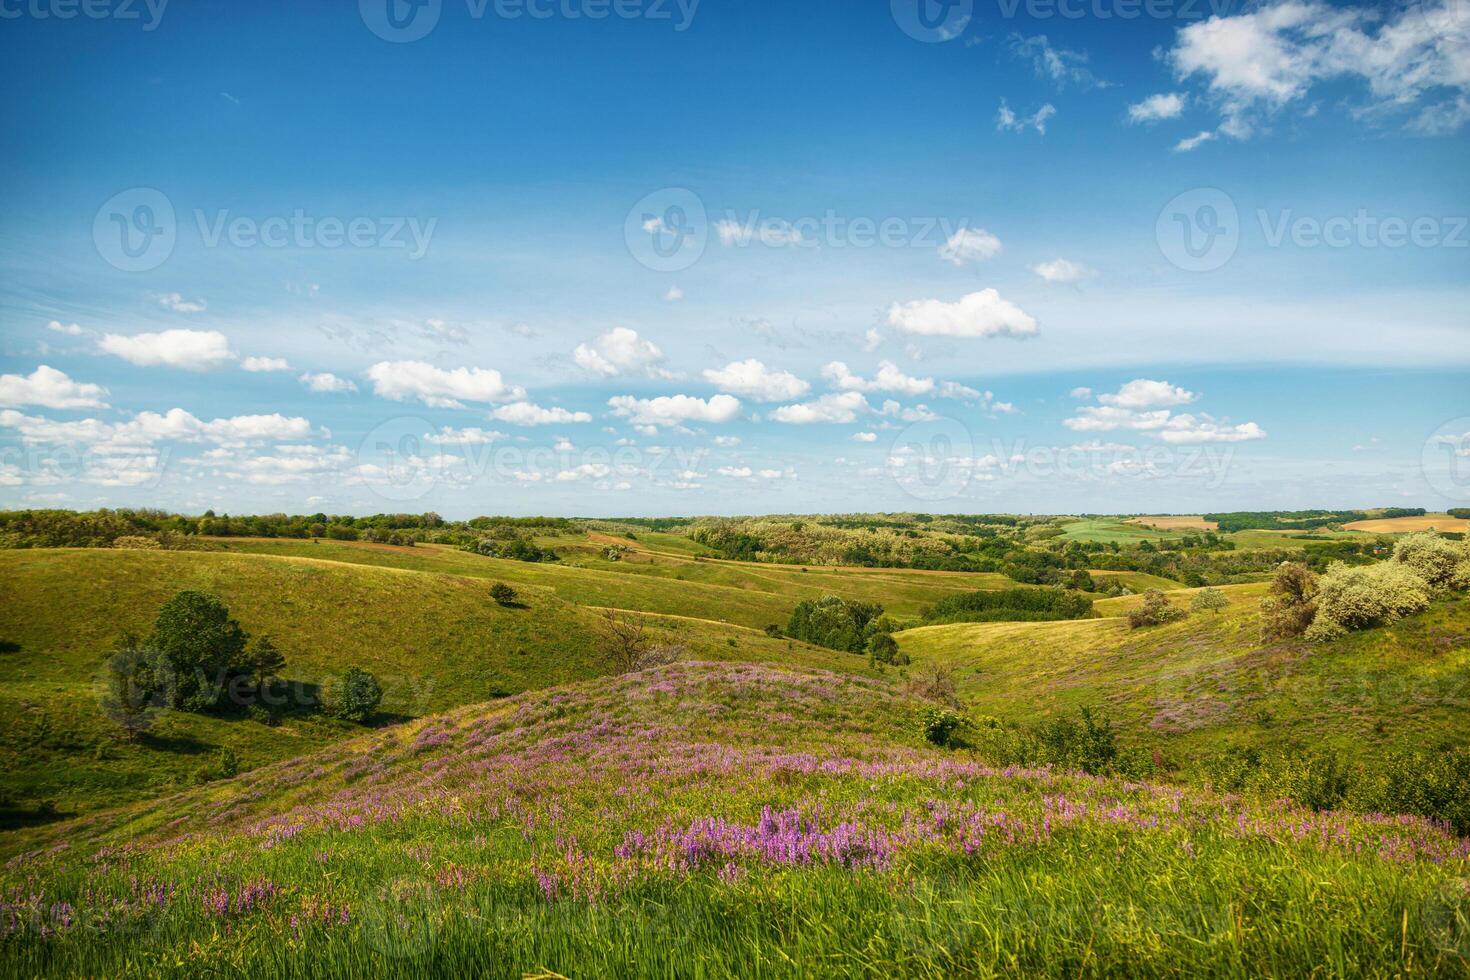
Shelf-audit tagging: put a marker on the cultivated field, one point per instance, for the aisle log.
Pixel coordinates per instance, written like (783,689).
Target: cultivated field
(1406,525)
(1176,522)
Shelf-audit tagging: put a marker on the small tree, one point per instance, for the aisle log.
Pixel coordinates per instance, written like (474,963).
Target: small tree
(503,594)
(128,697)
(624,640)
(266,660)
(1154,611)
(1210,600)
(1292,604)
(352,696)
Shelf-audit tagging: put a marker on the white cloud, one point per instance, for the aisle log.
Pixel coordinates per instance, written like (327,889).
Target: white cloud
(1189,429)
(586,471)
(838,408)
(1104,418)
(1165,105)
(1143,393)
(979,314)
(1062,270)
(865,437)
(621,351)
(969,245)
(1190,142)
(177,303)
(526,413)
(888,378)
(1081,393)
(147,428)
(1257,63)
(70,329)
(438,388)
(325,381)
(195,350)
(754,380)
(738,472)
(727,441)
(673,295)
(872,340)
(448,436)
(1058,64)
(1006,119)
(49,388)
(675,409)
(265,364)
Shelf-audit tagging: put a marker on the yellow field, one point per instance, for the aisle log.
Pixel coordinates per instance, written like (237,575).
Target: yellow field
(1403,525)
(1176,523)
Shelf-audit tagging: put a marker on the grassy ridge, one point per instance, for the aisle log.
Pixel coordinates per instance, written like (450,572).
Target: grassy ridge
(1208,682)
(748,593)
(722,820)
(434,641)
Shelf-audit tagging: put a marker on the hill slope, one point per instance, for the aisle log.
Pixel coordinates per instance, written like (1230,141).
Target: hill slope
(719,820)
(1208,682)
(433,640)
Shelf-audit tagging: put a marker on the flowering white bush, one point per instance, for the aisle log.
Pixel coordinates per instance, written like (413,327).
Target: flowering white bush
(1354,598)
(1439,561)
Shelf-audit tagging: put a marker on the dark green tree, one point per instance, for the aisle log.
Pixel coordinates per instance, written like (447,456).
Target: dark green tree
(352,696)
(194,649)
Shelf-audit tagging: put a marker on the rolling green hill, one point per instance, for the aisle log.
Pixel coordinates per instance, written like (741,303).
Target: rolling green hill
(434,641)
(1208,683)
(719,820)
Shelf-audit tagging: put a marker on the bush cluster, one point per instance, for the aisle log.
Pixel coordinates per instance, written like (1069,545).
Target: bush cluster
(1155,611)
(835,623)
(1010,605)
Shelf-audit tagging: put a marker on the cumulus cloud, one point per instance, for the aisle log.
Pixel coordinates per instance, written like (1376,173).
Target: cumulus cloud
(147,428)
(437,387)
(194,350)
(839,407)
(752,379)
(326,382)
(865,437)
(444,332)
(621,351)
(1165,105)
(1191,142)
(1062,270)
(979,314)
(1257,63)
(888,378)
(1143,393)
(738,472)
(70,329)
(673,295)
(675,409)
(969,245)
(265,364)
(1145,405)
(527,413)
(49,388)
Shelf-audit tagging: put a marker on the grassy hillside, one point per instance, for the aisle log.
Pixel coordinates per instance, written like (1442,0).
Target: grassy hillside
(433,640)
(720,820)
(749,593)
(1208,682)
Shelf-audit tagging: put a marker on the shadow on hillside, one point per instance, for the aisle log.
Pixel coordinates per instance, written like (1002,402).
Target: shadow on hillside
(7,646)
(16,816)
(176,744)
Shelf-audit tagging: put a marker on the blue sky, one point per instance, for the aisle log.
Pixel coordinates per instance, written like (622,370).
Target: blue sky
(734,257)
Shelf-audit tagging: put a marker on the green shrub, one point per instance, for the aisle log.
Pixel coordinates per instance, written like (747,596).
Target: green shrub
(1210,600)
(834,623)
(1292,605)
(1155,611)
(1010,605)
(940,726)
(1434,784)
(353,696)
(503,594)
